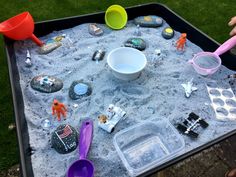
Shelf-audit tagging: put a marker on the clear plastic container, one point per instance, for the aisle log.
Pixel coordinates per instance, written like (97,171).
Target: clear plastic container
(147,145)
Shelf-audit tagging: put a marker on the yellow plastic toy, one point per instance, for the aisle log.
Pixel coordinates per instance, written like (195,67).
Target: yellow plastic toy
(116,17)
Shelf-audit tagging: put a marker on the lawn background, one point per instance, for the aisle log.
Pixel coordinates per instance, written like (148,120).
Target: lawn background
(210,16)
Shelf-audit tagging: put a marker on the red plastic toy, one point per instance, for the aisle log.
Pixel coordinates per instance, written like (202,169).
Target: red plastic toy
(58,108)
(20,27)
(181,42)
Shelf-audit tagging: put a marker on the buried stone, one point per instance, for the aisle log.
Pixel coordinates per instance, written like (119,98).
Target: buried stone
(46,84)
(64,139)
(136,43)
(167,33)
(149,21)
(79,89)
(95,30)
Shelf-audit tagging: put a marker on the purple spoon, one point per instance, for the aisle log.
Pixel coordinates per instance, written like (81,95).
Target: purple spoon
(83,167)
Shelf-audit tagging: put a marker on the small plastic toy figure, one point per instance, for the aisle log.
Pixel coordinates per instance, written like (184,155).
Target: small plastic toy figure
(45,80)
(58,108)
(109,120)
(181,42)
(102,118)
(189,88)
(28,62)
(137,31)
(112,110)
(231,76)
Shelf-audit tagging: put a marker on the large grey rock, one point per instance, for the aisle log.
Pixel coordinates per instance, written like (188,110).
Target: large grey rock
(46,84)
(64,139)
(149,21)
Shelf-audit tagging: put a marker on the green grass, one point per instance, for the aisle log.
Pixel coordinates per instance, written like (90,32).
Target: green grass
(210,16)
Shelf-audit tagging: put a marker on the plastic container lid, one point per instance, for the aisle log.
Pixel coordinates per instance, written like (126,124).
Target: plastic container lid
(147,145)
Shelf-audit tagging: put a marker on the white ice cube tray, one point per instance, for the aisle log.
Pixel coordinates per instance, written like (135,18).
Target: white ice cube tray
(223,102)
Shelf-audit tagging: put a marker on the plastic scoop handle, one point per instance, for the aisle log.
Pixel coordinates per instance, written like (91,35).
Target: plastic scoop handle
(227,45)
(86,132)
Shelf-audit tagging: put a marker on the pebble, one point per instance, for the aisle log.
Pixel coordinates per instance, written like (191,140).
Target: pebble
(64,139)
(136,43)
(46,84)
(79,89)
(95,30)
(168,33)
(49,47)
(149,21)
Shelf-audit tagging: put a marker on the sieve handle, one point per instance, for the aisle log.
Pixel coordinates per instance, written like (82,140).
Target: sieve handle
(227,45)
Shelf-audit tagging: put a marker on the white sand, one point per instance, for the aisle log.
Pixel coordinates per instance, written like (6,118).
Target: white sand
(157,94)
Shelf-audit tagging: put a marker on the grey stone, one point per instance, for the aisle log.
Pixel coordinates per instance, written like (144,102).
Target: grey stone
(49,47)
(136,43)
(168,33)
(64,139)
(46,84)
(79,89)
(149,21)
(95,30)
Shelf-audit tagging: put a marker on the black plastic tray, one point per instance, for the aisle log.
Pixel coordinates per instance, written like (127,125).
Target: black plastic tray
(46,27)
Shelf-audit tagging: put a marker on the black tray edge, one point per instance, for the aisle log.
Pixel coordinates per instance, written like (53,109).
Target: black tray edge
(16,103)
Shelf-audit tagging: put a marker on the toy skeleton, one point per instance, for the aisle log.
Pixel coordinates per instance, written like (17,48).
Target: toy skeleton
(113,115)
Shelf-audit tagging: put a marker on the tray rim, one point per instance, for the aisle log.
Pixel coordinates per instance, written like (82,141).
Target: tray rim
(15,100)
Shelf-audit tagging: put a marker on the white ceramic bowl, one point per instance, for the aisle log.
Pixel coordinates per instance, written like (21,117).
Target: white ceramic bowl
(126,63)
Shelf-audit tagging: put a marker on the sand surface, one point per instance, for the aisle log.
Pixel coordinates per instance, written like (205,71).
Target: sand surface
(156,94)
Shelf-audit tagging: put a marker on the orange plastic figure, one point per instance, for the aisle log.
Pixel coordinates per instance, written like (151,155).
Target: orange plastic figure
(58,108)
(181,42)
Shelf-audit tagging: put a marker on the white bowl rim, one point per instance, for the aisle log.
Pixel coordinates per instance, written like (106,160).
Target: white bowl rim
(130,48)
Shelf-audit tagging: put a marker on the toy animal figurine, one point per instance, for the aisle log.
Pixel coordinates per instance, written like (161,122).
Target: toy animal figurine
(181,42)
(113,115)
(58,109)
